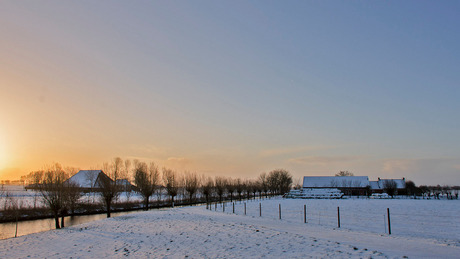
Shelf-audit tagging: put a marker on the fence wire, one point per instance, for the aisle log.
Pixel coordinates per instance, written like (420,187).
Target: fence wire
(438,220)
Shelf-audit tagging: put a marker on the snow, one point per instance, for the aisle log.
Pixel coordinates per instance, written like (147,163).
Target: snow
(196,232)
(335,181)
(85,178)
(400,183)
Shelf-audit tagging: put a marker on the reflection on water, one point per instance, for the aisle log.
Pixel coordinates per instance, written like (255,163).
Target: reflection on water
(8,230)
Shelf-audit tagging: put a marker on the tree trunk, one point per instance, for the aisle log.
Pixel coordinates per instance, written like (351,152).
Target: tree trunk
(146,203)
(108,209)
(56,220)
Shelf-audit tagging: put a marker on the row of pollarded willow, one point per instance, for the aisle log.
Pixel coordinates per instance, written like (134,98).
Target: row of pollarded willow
(60,196)
(148,180)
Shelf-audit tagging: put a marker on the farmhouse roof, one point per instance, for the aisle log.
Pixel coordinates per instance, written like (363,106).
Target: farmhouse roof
(335,181)
(86,178)
(374,185)
(400,183)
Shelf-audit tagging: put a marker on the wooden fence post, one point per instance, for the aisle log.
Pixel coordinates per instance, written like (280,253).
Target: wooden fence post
(338,217)
(233,208)
(280,209)
(304,213)
(245,208)
(260,209)
(389,222)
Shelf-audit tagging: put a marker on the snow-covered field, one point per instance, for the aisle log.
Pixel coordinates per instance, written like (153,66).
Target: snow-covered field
(196,232)
(435,219)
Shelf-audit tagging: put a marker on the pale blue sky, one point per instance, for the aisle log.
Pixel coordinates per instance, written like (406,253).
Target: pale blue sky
(234,87)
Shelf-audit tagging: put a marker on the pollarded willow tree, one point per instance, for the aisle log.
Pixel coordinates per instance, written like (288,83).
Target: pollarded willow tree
(146,179)
(279,181)
(57,193)
(191,184)
(108,187)
(207,188)
(172,183)
(231,187)
(220,186)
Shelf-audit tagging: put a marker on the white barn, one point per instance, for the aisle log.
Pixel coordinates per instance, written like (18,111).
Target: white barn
(349,185)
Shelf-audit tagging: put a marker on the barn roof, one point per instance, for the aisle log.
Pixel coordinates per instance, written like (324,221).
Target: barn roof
(335,181)
(374,185)
(400,183)
(86,178)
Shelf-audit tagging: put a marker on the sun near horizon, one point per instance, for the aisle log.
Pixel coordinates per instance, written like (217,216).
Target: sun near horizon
(233,89)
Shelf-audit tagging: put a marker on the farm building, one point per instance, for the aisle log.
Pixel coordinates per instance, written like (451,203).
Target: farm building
(88,180)
(352,185)
(379,185)
(349,185)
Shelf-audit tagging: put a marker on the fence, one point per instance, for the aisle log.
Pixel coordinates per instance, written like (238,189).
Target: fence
(433,219)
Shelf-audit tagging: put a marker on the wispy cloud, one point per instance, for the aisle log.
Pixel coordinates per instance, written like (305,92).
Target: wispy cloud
(291,150)
(180,163)
(322,160)
(399,165)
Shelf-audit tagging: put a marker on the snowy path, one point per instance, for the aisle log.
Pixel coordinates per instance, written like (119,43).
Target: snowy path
(195,232)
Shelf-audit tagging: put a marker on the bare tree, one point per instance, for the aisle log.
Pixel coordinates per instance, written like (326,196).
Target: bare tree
(390,187)
(72,195)
(52,190)
(263,184)
(248,187)
(344,173)
(411,188)
(71,171)
(109,189)
(279,181)
(220,184)
(191,184)
(207,188)
(231,187)
(146,179)
(239,186)
(128,189)
(172,182)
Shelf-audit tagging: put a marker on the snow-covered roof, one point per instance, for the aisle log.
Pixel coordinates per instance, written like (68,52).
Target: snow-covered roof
(380,184)
(400,183)
(86,178)
(374,185)
(335,181)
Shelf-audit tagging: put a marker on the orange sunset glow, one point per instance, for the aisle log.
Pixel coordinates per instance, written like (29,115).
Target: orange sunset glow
(209,93)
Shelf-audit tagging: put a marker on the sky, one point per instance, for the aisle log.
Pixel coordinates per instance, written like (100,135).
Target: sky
(233,88)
